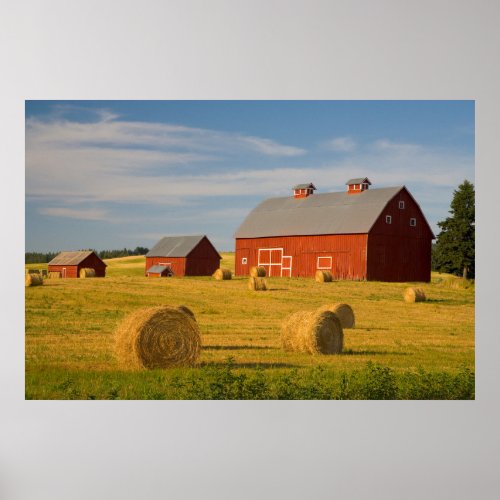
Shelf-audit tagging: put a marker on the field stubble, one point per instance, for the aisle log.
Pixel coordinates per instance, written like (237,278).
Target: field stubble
(70,323)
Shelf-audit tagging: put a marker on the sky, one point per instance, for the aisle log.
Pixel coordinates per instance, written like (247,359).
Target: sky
(115,174)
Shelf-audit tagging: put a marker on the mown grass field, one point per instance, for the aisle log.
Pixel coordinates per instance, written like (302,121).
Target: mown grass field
(70,345)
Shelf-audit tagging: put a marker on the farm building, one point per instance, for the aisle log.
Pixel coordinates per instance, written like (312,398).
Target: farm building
(360,234)
(70,263)
(182,256)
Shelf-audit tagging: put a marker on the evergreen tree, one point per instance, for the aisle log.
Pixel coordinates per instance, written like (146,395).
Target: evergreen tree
(455,246)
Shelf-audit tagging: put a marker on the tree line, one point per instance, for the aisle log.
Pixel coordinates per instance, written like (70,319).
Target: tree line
(41,257)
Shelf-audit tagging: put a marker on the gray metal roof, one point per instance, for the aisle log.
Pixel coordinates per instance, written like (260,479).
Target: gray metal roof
(304,186)
(358,180)
(175,246)
(156,269)
(328,213)
(70,258)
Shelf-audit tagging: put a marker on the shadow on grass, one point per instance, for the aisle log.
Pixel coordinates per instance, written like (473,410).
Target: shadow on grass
(350,352)
(236,365)
(278,289)
(235,347)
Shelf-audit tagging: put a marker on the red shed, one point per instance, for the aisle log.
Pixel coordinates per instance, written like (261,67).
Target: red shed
(361,234)
(183,256)
(70,263)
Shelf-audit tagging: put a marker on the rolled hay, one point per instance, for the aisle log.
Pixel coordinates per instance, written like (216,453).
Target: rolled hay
(344,312)
(186,310)
(414,295)
(87,272)
(257,284)
(222,274)
(33,279)
(323,276)
(313,332)
(258,272)
(158,337)
(54,274)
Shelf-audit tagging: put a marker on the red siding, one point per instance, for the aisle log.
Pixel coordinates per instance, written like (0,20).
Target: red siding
(398,251)
(178,264)
(71,271)
(347,252)
(203,260)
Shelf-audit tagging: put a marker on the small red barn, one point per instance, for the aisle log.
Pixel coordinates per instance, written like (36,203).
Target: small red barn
(360,234)
(70,263)
(182,256)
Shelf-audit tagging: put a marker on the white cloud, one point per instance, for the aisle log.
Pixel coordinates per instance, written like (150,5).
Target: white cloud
(73,213)
(341,144)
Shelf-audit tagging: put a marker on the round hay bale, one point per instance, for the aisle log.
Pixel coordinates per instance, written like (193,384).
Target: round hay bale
(313,332)
(323,276)
(33,279)
(158,337)
(87,272)
(257,284)
(186,310)
(258,272)
(344,312)
(414,295)
(54,274)
(222,274)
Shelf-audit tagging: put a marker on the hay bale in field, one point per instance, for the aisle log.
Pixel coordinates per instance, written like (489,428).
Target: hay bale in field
(32,279)
(257,284)
(222,274)
(54,274)
(313,332)
(323,276)
(414,295)
(186,310)
(158,337)
(87,272)
(258,272)
(32,271)
(344,312)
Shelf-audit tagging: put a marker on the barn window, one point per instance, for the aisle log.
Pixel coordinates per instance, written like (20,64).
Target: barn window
(244,260)
(401,204)
(388,219)
(324,263)
(413,222)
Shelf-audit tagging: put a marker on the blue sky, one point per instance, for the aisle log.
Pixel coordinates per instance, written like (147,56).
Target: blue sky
(114,174)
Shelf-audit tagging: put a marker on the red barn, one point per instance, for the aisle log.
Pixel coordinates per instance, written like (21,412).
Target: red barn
(361,234)
(182,256)
(70,263)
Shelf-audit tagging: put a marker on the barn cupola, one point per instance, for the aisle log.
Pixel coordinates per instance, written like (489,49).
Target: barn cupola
(303,190)
(356,186)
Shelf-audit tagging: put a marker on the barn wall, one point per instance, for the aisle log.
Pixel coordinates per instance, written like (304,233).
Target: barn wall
(71,271)
(94,262)
(203,260)
(347,252)
(178,264)
(398,251)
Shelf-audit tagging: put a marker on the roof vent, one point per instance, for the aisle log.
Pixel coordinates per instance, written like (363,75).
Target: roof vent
(303,190)
(356,186)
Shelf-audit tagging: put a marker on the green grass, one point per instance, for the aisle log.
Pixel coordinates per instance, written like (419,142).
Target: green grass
(70,324)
